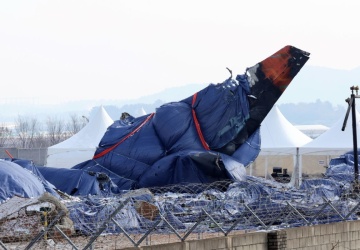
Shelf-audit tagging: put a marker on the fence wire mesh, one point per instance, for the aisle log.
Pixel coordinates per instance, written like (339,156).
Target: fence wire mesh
(169,214)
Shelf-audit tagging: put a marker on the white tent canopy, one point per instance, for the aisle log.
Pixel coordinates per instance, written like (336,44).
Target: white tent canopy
(334,141)
(279,136)
(142,112)
(312,131)
(81,146)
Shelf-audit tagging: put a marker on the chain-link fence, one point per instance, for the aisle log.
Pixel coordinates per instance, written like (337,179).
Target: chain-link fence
(169,214)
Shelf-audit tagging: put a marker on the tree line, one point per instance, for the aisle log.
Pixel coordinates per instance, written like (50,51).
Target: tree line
(29,132)
(319,112)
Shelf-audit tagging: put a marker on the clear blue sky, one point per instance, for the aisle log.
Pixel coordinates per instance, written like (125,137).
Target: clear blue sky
(63,50)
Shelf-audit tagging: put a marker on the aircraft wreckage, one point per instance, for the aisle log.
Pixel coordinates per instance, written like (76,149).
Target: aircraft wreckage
(210,136)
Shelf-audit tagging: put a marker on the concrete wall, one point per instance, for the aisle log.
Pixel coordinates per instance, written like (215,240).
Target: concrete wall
(37,155)
(256,241)
(341,235)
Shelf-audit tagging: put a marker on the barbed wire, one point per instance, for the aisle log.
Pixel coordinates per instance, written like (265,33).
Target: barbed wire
(171,214)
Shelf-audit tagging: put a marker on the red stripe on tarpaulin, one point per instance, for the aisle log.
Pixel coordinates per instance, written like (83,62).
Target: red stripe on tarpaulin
(123,139)
(197,124)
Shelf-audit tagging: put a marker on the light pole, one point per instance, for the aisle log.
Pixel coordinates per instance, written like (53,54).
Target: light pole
(351,102)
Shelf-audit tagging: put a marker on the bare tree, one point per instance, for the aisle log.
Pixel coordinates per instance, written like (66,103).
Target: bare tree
(33,132)
(56,130)
(22,127)
(76,124)
(26,129)
(41,141)
(5,134)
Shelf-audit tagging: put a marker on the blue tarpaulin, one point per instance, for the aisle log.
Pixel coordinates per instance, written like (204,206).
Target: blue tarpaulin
(18,181)
(225,203)
(166,147)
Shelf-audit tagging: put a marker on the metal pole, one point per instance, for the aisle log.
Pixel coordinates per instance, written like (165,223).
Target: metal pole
(356,166)
(351,102)
(299,168)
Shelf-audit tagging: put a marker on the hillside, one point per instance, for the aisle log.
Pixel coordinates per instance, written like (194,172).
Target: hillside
(316,96)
